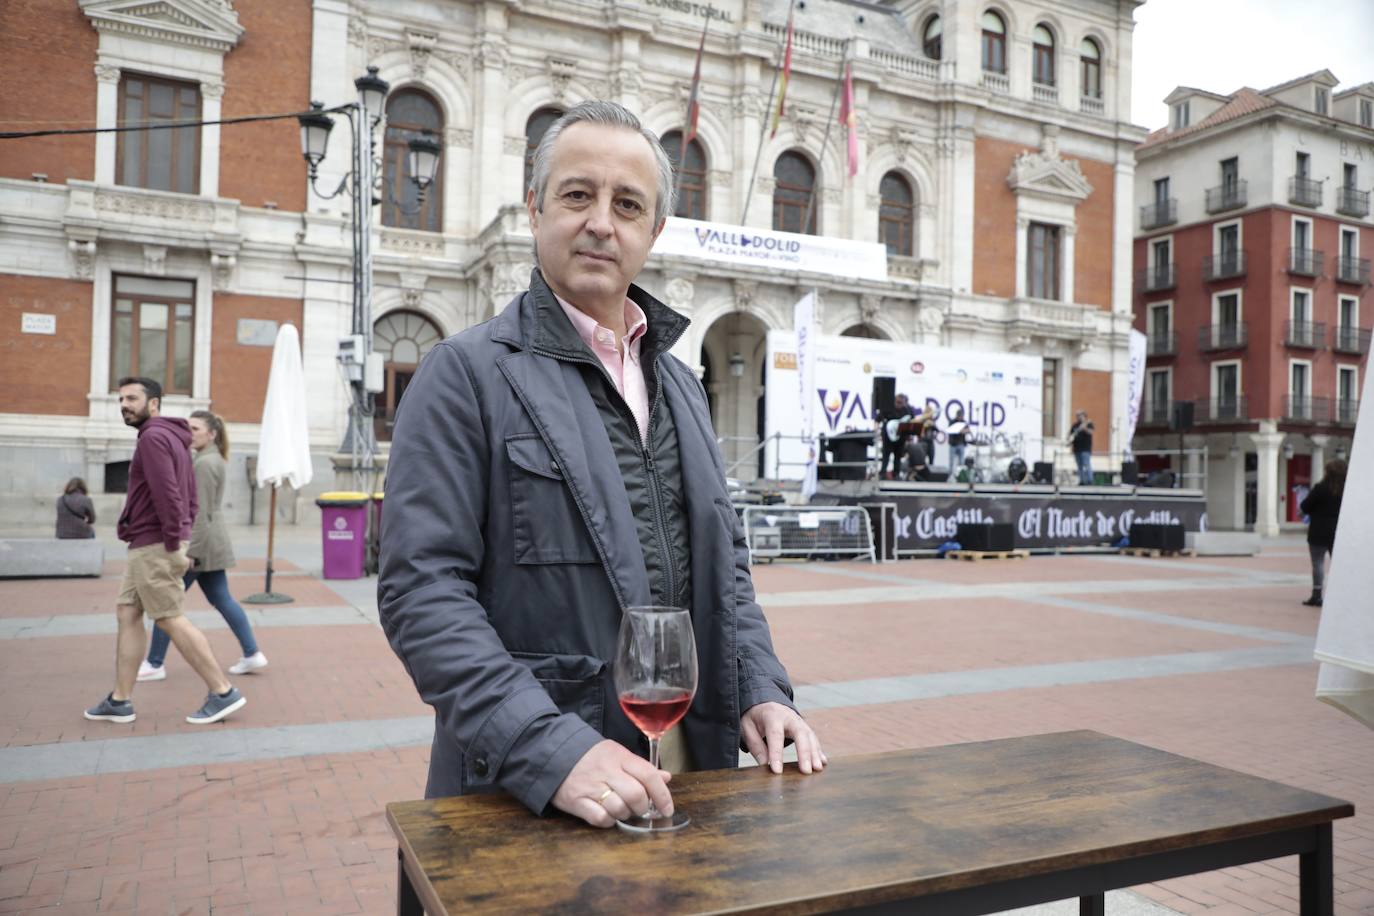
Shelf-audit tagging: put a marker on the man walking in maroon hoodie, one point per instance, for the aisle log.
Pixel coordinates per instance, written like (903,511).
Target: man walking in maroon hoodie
(156,524)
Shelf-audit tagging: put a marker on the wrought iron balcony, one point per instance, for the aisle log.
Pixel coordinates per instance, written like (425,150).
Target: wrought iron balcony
(1161,343)
(1305,192)
(1306,262)
(1223,266)
(1352,270)
(1347,410)
(1350,339)
(1159,213)
(1221,410)
(1306,409)
(1309,335)
(1226,336)
(1154,413)
(1154,279)
(1227,197)
(1352,201)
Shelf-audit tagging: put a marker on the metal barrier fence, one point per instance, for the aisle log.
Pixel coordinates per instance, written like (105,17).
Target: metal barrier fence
(805,531)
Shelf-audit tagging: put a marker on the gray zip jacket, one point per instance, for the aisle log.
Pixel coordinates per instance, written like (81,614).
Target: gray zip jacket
(509,550)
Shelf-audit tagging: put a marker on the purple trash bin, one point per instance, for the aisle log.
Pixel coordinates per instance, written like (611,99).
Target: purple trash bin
(343,529)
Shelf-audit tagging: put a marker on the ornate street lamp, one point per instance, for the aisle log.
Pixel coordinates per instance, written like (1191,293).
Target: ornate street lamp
(315,128)
(424,162)
(372,89)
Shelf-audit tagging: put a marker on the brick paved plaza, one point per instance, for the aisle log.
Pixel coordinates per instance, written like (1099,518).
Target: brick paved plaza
(279,809)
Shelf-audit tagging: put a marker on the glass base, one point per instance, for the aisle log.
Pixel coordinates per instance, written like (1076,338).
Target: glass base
(659,824)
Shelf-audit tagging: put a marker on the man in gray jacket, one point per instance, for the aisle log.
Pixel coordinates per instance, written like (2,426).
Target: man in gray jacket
(551,467)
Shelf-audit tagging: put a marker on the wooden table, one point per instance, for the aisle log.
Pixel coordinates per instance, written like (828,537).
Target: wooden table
(962,829)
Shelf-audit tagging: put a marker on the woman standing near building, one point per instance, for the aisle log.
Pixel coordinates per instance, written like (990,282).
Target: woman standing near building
(1322,506)
(210,551)
(75,511)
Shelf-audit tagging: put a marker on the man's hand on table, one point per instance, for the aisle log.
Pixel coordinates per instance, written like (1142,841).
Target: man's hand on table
(629,777)
(767,726)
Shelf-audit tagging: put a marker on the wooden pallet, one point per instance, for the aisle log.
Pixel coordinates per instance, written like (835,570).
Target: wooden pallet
(976,555)
(1157,552)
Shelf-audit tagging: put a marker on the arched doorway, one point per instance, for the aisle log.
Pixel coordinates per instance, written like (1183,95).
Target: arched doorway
(866,331)
(734,350)
(402,338)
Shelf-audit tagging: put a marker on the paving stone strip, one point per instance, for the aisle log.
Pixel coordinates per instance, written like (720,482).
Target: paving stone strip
(104,623)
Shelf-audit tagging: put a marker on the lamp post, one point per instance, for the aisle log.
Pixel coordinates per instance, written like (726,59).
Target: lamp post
(365,189)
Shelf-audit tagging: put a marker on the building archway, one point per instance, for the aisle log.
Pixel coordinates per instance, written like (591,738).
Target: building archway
(402,338)
(733,351)
(866,331)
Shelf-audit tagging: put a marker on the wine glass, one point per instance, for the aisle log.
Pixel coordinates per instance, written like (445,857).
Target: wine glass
(655,680)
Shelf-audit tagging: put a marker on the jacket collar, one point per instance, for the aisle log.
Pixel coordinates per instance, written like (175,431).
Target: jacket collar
(535,321)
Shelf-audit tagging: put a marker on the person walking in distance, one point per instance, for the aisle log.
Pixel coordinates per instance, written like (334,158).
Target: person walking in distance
(210,551)
(156,524)
(1081,439)
(1322,507)
(75,511)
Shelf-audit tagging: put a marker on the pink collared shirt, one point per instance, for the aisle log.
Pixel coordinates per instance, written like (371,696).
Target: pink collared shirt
(621,363)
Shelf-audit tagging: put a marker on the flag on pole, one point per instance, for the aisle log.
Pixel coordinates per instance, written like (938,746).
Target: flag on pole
(850,120)
(804,323)
(786,72)
(693,102)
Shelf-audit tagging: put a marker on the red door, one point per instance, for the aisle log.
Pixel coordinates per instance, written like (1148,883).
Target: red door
(1299,480)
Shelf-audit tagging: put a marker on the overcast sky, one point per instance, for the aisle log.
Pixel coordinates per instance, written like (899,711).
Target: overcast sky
(1222,45)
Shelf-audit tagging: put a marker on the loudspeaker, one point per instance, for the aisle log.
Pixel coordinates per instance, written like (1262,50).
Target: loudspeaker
(884,396)
(1130,473)
(1157,537)
(1044,472)
(1000,536)
(1181,417)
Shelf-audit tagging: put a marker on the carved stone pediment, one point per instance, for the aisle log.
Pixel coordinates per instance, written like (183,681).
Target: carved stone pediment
(1045,174)
(199,23)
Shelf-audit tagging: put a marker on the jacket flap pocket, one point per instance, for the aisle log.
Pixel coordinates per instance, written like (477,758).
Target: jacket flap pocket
(548,667)
(529,452)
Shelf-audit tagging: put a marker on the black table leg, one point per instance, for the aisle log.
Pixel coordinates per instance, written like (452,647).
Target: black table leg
(407,901)
(1314,876)
(1092,905)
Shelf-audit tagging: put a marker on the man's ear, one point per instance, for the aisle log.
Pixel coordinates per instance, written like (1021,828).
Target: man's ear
(532,209)
(657,232)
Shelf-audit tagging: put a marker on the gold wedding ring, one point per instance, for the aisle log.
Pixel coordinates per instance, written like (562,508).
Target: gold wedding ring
(605,795)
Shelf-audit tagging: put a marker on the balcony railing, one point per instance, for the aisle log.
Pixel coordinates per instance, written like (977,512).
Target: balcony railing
(1310,335)
(1352,270)
(1089,105)
(1350,339)
(1154,413)
(1347,410)
(1221,410)
(1306,409)
(1352,202)
(1154,279)
(1047,94)
(1159,213)
(1233,336)
(1305,192)
(1226,197)
(1306,262)
(1162,343)
(997,82)
(1223,266)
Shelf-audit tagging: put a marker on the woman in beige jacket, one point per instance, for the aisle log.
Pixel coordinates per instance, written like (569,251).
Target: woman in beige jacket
(210,551)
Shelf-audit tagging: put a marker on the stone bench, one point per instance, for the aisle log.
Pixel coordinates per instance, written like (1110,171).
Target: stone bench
(43,558)
(1223,543)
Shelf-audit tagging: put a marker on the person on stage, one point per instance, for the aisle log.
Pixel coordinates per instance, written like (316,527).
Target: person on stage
(957,433)
(894,441)
(1081,440)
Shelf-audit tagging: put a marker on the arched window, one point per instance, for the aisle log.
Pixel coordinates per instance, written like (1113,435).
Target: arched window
(897,215)
(535,127)
(409,113)
(795,178)
(690,175)
(931,38)
(1091,81)
(403,339)
(1042,56)
(994,43)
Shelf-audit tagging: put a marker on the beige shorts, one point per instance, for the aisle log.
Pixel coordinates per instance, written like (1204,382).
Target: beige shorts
(152,580)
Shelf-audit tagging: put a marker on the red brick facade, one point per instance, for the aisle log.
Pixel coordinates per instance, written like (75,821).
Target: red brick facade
(238,373)
(994,218)
(45,373)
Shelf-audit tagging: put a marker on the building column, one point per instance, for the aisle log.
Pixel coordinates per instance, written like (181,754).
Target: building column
(1065,260)
(1319,445)
(211,96)
(1267,442)
(1191,472)
(106,116)
(1022,226)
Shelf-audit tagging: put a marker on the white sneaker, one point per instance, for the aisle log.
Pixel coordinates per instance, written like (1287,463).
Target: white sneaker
(249,663)
(147,672)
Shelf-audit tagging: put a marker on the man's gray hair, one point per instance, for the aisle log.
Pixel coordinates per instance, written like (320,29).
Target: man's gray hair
(609,114)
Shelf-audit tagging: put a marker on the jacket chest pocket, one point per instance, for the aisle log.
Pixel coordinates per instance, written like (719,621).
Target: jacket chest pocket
(545,523)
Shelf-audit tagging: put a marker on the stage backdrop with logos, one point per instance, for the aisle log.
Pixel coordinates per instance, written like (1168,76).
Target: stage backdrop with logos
(998,392)
(773,250)
(924,521)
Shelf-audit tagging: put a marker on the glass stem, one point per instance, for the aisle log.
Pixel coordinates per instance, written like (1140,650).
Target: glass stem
(652,813)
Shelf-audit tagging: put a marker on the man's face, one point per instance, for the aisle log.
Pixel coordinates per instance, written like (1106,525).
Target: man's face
(901,402)
(597,223)
(135,406)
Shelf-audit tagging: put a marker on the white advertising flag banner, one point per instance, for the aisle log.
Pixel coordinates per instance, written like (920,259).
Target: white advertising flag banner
(804,331)
(999,394)
(690,238)
(1135,384)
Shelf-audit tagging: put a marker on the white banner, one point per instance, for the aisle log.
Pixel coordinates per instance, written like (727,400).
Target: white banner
(804,330)
(998,393)
(1135,385)
(729,244)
